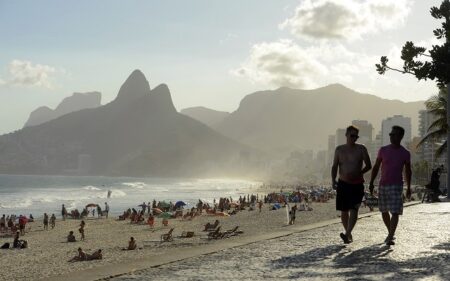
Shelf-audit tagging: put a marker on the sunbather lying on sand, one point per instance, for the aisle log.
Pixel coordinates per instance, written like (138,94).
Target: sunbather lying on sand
(97,255)
(82,256)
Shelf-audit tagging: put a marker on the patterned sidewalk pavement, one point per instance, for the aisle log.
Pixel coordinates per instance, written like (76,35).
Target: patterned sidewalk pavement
(422,252)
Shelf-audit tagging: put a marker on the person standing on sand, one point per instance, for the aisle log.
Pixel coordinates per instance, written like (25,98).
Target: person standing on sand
(349,159)
(53,221)
(3,223)
(106,209)
(63,212)
(81,229)
(393,159)
(45,221)
(292,214)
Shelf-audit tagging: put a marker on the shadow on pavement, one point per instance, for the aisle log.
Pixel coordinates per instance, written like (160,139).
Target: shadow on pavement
(368,263)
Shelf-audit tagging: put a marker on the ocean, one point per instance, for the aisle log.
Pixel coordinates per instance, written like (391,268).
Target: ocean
(36,195)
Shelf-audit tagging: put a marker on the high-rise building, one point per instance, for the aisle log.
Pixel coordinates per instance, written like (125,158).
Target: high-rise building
(321,159)
(427,150)
(331,148)
(340,137)
(425,120)
(396,120)
(365,131)
(375,146)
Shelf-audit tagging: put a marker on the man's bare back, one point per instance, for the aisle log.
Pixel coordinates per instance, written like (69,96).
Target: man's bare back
(350,159)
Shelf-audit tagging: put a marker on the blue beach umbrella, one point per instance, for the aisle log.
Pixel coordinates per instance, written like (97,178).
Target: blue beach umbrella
(180,204)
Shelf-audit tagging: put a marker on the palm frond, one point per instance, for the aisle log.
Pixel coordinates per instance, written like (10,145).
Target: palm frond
(437,130)
(438,124)
(432,136)
(441,149)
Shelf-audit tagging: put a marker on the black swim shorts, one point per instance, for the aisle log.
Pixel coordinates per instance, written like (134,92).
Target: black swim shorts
(349,196)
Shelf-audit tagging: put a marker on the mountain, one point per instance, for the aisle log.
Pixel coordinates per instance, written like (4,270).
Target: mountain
(140,133)
(77,101)
(287,119)
(205,115)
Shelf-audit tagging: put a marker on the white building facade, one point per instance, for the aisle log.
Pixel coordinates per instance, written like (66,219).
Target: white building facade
(396,120)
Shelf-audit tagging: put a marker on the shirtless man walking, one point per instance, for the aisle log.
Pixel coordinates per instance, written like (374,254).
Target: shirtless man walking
(349,159)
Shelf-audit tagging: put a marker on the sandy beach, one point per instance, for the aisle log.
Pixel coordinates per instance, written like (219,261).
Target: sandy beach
(48,251)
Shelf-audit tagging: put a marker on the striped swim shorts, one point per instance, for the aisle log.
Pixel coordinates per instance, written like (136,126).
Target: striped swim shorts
(390,199)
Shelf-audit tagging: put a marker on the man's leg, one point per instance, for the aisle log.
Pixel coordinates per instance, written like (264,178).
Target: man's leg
(351,222)
(393,225)
(344,219)
(387,220)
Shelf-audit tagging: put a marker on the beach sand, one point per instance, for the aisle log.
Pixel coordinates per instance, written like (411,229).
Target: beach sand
(48,252)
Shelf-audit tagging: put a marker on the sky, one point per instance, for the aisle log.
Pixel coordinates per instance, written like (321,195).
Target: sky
(210,53)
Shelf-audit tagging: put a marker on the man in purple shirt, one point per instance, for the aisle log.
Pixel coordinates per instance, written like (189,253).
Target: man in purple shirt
(393,159)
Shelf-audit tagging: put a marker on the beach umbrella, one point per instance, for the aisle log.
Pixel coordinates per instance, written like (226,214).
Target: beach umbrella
(165,215)
(180,204)
(157,211)
(91,205)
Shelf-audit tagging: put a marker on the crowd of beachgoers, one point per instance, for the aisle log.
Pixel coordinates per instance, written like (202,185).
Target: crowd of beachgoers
(142,229)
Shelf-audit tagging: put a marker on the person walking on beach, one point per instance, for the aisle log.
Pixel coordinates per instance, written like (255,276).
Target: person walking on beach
(3,223)
(81,229)
(393,159)
(22,223)
(349,159)
(45,221)
(292,214)
(63,212)
(53,221)
(106,209)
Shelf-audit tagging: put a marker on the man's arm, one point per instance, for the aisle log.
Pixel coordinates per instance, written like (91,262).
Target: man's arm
(375,170)
(408,173)
(334,168)
(367,163)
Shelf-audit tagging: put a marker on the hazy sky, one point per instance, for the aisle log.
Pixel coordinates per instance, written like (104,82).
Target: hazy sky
(210,53)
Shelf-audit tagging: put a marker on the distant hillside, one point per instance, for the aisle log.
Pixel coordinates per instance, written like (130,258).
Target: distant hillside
(140,133)
(205,115)
(77,101)
(286,119)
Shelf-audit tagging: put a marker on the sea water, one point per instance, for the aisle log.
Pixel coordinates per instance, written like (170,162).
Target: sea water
(45,194)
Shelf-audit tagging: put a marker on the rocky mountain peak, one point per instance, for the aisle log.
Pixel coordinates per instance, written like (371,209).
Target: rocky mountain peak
(135,86)
(162,97)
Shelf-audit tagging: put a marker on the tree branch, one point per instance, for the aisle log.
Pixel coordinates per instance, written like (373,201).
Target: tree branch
(398,70)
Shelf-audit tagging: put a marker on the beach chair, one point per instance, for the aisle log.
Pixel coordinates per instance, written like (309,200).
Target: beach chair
(232,232)
(187,234)
(215,234)
(211,226)
(167,237)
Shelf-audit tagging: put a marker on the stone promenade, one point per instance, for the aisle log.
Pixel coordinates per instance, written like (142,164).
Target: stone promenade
(422,252)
